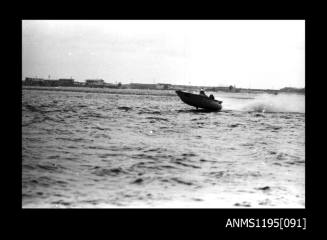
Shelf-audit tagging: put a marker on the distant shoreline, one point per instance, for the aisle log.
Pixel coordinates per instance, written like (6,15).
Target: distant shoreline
(155,92)
(104,90)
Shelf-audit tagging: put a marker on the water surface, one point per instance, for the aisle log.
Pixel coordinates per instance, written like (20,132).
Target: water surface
(84,149)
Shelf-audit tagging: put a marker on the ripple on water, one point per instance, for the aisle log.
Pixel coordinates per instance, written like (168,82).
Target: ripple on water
(157,119)
(51,167)
(124,108)
(113,172)
(243,204)
(183,182)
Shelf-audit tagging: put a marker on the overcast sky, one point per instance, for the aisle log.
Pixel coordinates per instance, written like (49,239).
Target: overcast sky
(245,53)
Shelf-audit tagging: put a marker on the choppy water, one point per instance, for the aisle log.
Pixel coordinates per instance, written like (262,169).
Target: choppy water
(116,150)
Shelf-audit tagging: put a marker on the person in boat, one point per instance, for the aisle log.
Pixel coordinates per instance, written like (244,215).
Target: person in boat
(202,92)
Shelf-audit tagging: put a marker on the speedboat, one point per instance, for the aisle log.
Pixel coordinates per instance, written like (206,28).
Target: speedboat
(200,101)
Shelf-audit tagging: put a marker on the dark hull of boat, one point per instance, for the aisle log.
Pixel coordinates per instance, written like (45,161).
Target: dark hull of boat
(199,101)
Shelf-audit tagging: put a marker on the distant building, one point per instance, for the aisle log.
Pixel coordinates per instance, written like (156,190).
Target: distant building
(163,86)
(50,82)
(79,84)
(66,82)
(33,81)
(94,83)
(142,86)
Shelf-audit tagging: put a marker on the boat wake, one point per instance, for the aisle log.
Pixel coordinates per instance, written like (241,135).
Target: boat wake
(287,103)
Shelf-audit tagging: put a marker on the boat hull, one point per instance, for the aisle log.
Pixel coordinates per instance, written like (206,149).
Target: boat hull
(199,101)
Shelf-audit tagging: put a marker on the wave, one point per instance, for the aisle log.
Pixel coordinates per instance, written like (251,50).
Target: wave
(286,103)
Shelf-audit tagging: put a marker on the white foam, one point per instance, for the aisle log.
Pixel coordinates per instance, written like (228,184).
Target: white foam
(267,103)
